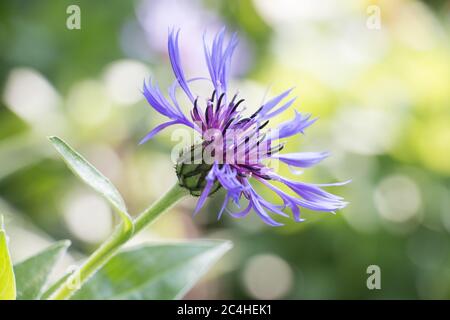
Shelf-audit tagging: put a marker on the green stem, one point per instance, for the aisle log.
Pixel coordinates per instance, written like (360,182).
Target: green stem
(110,247)
(172,196)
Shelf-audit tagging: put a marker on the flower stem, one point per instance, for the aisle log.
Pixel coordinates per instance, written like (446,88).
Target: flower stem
(119,237)
(172,196)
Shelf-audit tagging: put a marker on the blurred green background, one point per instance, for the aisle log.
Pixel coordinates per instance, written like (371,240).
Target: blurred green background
(382,96)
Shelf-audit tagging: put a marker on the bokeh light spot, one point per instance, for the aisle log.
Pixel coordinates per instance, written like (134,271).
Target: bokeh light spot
(397,198)
(267,276)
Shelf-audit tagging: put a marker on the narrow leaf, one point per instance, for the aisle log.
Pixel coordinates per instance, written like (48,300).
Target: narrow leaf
(7,281)
(159,271)
(91,176)
(32,274)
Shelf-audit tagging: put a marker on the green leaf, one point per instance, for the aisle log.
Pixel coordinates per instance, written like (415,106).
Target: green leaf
(32,274)
(55,285)
(158,271)
(91,176)
(7,281)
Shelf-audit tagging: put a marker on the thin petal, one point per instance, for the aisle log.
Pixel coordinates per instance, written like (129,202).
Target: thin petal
(292,127)
(156,130)
(156,99)
(269,105)
(224,205)
(301,159)
(174,55)
(288,200)
(242,213)
(263,214)
(210,180)
(279,110)
(258,204)
(218,59)
(312,196)
(203,196)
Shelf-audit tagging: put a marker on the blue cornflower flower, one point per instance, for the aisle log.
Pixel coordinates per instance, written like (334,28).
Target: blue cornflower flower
(223,115)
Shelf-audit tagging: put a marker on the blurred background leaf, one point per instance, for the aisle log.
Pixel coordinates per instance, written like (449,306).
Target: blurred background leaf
(32,275)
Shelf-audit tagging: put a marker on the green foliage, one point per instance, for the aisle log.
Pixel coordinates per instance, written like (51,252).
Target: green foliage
(32,274)
(7,282)
(400,78)
(163,271)
(92,177)
(159,271)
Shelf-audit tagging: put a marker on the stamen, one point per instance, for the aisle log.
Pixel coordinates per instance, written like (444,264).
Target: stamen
(196,113)
(256,113)
(244,120)
(237,105)
(208,112)
(219,102)
(263,125)
(227,125)
(275,149)
(195,104)
(234,98)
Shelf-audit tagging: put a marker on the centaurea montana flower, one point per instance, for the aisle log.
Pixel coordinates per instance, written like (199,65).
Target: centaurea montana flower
(223,115)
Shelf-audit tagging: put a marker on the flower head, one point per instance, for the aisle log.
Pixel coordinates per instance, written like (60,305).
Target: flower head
(235,147)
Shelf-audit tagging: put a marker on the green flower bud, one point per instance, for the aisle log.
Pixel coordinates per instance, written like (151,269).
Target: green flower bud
(192,171)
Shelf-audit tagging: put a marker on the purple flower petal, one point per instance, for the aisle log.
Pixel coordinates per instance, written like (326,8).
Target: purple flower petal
(174,55)
(301,159)
(292,127)
(312,196)
(279,110)
(224,205)
(205,192)
(242,213)
(218,59)
(269,105)
(156,130)
(245,144)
